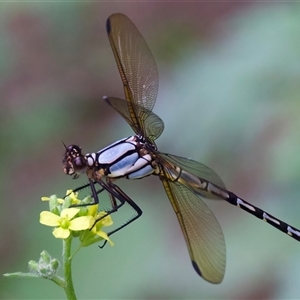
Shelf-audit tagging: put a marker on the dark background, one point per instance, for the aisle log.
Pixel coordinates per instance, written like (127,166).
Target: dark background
(229,97)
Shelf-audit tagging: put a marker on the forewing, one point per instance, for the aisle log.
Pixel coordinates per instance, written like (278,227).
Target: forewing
(153,124)
(136,66)
(202,232)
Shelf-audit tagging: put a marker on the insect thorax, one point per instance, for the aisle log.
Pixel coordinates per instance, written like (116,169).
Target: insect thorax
(125,158)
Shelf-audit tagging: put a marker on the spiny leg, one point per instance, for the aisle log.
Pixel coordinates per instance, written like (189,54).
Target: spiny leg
(95,193)
(116,192)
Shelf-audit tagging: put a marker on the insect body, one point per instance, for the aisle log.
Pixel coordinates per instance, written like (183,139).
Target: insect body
(185,180)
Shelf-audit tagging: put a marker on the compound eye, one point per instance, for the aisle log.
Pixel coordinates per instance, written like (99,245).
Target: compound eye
(79,162)
(73,151)
(73,161)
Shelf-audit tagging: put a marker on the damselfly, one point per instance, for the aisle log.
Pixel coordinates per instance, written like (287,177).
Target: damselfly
(185,181)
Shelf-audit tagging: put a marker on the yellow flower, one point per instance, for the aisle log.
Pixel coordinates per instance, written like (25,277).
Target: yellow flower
(106,221)
(73,197)
(96,234)
(59,200)
(93,210)
(65,223)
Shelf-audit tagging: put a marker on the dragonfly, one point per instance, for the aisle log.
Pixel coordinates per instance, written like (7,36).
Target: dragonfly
(185,181)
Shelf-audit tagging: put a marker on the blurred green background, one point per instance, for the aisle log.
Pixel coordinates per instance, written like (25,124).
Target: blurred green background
(230,98)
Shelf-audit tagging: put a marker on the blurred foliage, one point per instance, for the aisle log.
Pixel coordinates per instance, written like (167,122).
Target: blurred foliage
(229,97)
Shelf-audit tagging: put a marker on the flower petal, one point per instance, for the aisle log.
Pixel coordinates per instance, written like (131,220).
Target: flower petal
(49,219)
(60,200)
(69,213)
(69,192)
(105,236)
(106,221)
(81,223)
(73,197)
(61,233)
(92,210)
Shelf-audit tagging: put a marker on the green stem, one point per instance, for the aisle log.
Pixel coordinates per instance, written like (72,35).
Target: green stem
(59,281)
(77,250)
(67,261)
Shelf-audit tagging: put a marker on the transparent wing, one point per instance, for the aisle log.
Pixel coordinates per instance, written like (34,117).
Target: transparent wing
(192,167)
(153,124)
(202,232)
(136,66)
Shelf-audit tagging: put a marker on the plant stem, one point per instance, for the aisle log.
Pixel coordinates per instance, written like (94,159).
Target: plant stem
(59,281)
(67,261)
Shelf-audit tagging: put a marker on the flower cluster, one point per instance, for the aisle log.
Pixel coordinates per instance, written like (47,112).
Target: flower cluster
(76,221)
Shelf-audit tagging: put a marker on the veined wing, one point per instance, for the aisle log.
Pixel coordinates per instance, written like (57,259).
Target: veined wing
(153,124)
(201,230)
(189,171)
(136,66)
